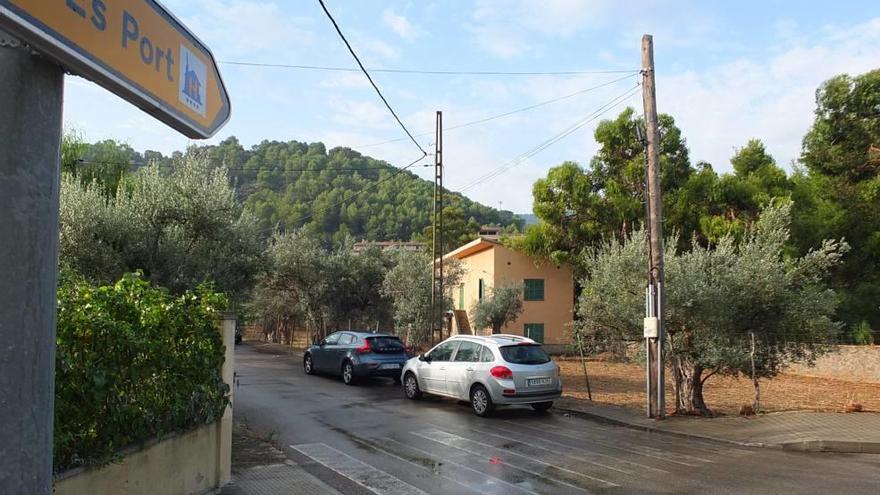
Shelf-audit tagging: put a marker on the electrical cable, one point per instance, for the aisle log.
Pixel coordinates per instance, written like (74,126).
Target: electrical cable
(552,140)
(369,78)
(505,114)
(434,72)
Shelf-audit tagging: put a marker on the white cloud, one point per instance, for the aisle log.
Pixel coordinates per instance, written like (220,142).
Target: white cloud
(248,28)
(505,28)
(400,25)
(721,107)
(350,80)
(362,114)
(371,49)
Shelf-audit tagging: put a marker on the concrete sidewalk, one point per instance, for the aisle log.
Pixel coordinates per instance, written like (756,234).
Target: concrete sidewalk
(258,468)
(796,430)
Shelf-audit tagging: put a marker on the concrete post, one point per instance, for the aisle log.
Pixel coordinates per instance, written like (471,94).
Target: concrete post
(31,93)
(225,458)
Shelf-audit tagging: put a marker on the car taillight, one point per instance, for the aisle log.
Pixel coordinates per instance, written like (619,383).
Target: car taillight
(364,348)
(501,372)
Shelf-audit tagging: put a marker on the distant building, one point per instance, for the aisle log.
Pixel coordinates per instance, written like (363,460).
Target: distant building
(389,245)
(548,291)
(491,232)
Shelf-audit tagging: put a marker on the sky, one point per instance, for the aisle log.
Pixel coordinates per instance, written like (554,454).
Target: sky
(726,71)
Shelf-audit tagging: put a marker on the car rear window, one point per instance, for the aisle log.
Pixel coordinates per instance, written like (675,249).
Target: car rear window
(386,344)
(524,354)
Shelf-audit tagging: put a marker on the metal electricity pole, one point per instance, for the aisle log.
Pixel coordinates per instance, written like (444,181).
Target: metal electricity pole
(654,332)
(437,237)
(31,93)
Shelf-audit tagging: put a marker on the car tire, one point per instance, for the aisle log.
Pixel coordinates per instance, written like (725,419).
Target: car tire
(542,406)
(481,401)
(411,387)
(348,373)
(308,365)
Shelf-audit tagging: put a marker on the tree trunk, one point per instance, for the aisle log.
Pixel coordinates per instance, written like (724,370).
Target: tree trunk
(688,387)
(756,405)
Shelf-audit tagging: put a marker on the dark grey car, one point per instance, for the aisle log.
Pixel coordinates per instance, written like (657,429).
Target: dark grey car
(355,355)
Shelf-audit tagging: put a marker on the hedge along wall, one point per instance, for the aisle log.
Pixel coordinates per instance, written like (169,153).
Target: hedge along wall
(133,363)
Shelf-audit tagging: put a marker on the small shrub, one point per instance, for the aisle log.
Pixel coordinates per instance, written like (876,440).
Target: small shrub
(746,410)
(862,334)
(132,363)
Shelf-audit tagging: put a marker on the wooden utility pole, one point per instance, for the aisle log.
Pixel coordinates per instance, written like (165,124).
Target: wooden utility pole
(654,331)
(437,249)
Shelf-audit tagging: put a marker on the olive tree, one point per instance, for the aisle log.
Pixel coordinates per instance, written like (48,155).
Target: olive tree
(328,288)
(502,305)
(731,308)
(408,286)
(180,227)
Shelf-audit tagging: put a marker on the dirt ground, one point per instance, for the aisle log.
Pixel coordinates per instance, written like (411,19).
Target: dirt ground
(623,384)
(250,449)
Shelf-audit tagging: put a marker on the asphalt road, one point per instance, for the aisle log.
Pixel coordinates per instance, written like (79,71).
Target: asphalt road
(369,439)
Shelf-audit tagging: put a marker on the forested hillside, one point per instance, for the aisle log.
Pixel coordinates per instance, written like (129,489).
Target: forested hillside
(332,193)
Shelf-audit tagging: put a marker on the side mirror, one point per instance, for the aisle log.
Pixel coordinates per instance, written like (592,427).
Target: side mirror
(423,357)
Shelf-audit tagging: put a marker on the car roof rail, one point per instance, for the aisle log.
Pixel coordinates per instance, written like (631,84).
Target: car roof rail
(510,336)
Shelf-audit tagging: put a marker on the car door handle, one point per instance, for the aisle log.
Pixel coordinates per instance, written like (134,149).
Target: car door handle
(469,369)
(442,368)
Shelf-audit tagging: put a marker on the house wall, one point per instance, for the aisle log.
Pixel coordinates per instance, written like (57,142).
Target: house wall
(477,266)
(500,265)
(556,310)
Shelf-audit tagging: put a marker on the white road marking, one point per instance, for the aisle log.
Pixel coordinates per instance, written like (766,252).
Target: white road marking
(587,452)
(373,479)
(693,443)
(554,452)
(370,445)
(610,446)
(645,448)
(456,441)
(462,466)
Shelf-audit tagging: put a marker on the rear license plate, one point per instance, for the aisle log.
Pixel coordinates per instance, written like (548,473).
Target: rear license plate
(537,382)
(394,366)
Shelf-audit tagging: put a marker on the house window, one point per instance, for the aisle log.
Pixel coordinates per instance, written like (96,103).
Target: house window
(534,289)
(534,331)
(480,290)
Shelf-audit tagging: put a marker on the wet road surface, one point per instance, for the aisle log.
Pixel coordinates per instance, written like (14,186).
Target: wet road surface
(369,439)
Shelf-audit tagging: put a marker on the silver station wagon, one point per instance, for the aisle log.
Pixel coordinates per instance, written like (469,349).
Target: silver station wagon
(491,371)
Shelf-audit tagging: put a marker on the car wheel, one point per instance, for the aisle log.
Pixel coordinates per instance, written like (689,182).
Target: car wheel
(348,373)
(411,387)
(308,366)
(481,402)
(542,406)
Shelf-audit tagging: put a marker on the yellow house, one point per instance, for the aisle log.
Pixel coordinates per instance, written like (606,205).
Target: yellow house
(548,291)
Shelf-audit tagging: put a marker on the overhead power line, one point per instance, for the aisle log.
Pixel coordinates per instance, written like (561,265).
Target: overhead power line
(508,113)
(552,140)
(369,78)
(433,72)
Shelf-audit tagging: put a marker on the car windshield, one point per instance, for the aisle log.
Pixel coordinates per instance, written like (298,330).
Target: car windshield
(524,354)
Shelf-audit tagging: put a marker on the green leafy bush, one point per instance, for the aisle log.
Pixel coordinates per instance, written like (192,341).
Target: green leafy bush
(862,334)
(133,363)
